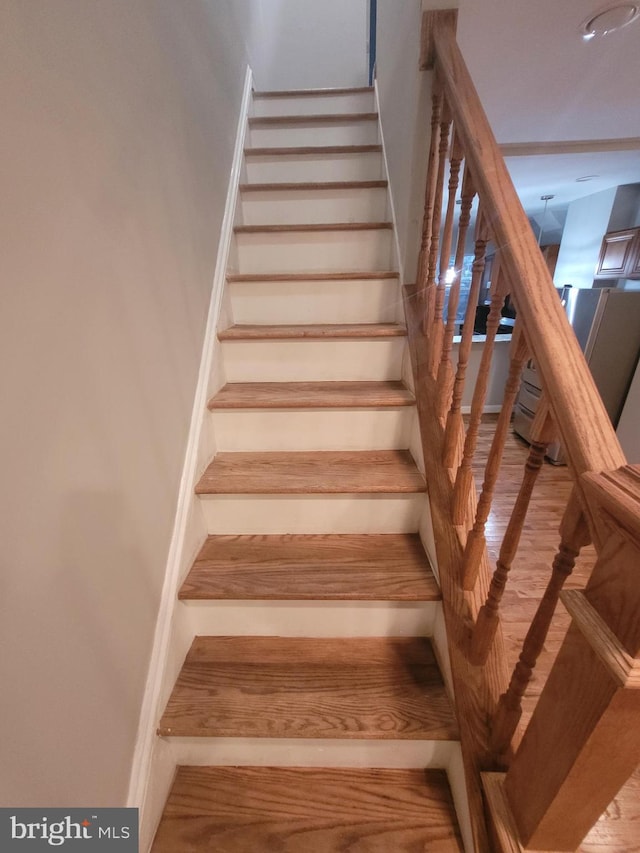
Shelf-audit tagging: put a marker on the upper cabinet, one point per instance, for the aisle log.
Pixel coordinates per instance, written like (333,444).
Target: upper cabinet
(620,255)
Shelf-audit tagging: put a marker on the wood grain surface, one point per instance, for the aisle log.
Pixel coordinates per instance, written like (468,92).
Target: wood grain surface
(618,830)
(312,395)
(303,150)
(365,275)
(386,567)
(302,810)
(310,93)
(311,331)
(310,688)
(312,227)
(312,472)
(283,186)
(320,118)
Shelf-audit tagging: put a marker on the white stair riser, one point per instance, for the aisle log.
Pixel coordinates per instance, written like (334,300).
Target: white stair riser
(329,104)
(278,514)
(290,207)
(312,429)
(295,302)
(311,618)
(265,168)
(308,361)
(323,251)
(306,752)
(329,133)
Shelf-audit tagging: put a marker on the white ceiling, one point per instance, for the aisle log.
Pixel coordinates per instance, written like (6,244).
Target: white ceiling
(540,82)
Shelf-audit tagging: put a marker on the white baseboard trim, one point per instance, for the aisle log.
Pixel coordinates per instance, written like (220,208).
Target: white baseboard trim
(143,754)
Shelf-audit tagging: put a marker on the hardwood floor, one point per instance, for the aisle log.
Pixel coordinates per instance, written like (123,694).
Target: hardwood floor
(386,567)
(618,831)
(305,687)
(304,810)
(312,472)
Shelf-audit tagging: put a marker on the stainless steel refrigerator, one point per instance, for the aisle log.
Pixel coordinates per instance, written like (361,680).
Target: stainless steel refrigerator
(606,322)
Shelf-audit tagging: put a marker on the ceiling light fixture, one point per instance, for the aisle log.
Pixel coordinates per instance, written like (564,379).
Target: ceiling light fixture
(586,178)
(546,199)
(609,19)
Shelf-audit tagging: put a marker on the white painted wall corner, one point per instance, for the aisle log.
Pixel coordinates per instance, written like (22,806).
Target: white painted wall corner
(145,790)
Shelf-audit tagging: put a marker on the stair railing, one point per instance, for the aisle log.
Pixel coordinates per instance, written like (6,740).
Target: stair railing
(583,740)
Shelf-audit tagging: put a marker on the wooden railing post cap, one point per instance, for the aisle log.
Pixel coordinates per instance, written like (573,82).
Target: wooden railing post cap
(430,19)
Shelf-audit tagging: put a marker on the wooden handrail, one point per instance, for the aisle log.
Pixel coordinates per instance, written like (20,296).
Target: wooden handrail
(585,429)
(594,688)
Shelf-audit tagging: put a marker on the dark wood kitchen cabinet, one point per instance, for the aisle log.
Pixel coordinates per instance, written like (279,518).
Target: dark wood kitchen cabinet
(620,255)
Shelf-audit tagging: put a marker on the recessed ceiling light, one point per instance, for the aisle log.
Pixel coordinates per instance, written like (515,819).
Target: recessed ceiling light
(586,178)
(609,19)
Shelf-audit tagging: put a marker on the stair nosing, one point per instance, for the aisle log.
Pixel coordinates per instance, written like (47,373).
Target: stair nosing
(364,275)
(296,654)
(312,186)
(313,118)
(397,396)
(304,150)
(313,227)
(304,93)
(274,473)
(312,331)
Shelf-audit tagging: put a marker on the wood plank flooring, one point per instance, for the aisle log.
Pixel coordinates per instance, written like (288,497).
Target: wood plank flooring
(310,688)
(389,567)
(312,472)
(311,331)
(304,150)
(618,831)
(304,810)
(312,395)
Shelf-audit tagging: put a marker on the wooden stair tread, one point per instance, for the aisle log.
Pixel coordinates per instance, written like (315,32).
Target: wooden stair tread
(313,185)
(312,472)
(304,150)
(315,395)
(364,688)
(255,332)
(304,93)
(312,276)
(383,567)
(312,118)
(313,227)
(308,810)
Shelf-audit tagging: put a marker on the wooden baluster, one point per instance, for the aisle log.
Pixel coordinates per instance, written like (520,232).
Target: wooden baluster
(583,740)
(436,333)
(476,542)
(542,434)
(574,534)
(443,148)
(444,369)
(464,477)
(430,192)
(453,428)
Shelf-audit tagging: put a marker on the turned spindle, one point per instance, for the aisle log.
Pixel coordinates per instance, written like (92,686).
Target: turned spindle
(574,535)
(453,429)
(476,542)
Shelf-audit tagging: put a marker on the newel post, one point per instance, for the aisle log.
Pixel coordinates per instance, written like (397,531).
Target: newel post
(583,741)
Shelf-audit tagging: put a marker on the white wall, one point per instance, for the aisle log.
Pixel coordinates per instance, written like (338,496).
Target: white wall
(405,112)
(305,44)
(118,128)
(585,226)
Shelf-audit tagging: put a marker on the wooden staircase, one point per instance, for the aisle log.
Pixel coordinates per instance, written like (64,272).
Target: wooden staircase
(310,713)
